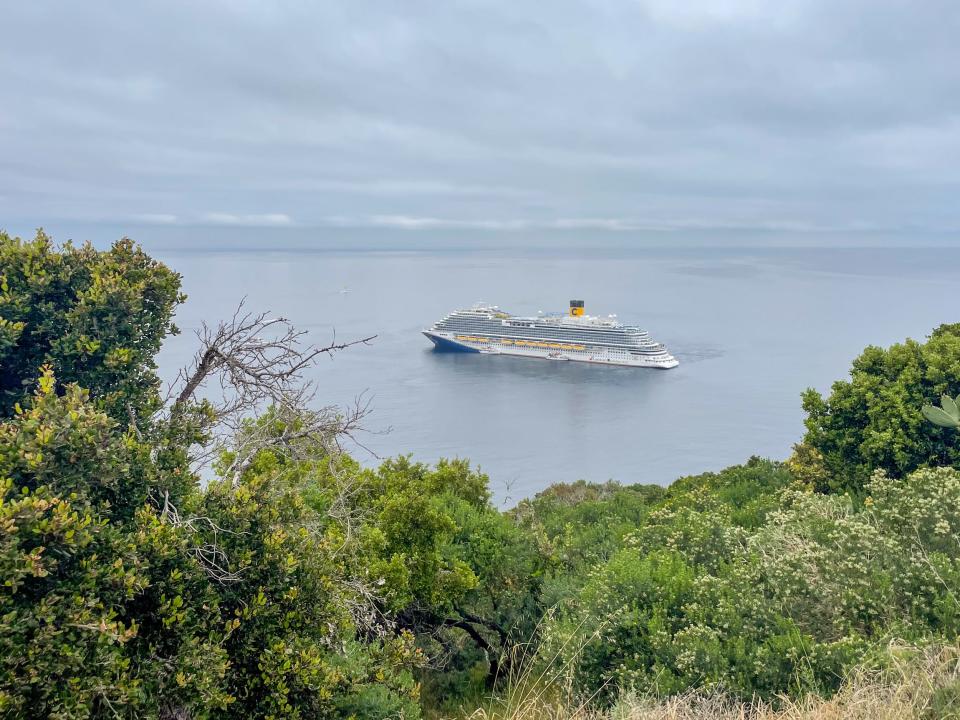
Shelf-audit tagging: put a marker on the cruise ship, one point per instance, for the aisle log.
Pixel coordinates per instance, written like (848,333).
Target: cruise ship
(574,336)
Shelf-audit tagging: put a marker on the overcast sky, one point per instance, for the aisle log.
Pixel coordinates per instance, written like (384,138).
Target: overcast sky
(833,116)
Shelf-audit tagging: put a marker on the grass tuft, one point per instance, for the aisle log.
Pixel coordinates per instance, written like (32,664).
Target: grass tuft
(916,685)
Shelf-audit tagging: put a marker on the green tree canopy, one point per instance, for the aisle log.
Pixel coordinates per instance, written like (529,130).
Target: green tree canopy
(126,589)
(104,612)
(97,317)
(873,421)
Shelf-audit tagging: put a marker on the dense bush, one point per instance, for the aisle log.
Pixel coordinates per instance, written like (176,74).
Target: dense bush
(785,608)
(872,421)
(97,318)
(128,590)
(103,610)
(457,574)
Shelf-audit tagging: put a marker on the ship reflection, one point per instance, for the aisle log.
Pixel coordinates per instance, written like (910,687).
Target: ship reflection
(474,366)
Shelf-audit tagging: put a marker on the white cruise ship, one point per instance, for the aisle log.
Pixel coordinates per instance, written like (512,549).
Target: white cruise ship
(575,336)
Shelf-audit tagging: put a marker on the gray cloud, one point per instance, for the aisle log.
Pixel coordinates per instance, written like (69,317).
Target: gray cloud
(598,114)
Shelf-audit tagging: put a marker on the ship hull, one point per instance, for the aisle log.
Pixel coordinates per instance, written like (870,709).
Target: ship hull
(448,342)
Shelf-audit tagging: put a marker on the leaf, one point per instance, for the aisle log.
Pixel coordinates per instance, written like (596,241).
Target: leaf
(950,407)
(938,417)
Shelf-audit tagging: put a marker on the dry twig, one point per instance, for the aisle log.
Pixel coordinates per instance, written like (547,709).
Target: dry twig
(248,364)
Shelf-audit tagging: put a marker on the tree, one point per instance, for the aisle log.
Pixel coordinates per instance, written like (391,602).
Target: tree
(127,590)
(458,573)
(97,318)
(871,421)
(103,610)
(304,641)
(437,560)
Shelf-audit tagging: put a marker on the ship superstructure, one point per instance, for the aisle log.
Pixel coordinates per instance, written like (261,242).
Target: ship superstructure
(574,336)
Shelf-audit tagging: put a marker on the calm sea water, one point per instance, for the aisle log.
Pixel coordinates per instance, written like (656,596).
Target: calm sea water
(752,328)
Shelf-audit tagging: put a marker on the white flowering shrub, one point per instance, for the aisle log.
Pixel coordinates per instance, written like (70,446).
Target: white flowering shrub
(825,583)
(704,538)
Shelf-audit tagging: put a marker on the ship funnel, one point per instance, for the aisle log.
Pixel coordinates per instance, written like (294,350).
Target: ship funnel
(576,308)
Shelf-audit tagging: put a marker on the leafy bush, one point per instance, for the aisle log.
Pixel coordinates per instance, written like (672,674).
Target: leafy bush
(98,593)
(128,590)
(872,421)
(97,318)
(821,586)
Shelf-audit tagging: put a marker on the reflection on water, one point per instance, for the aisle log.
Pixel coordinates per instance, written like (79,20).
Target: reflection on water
(477,367)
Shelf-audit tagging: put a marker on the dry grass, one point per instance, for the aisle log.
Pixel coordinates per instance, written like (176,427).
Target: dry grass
(921,685)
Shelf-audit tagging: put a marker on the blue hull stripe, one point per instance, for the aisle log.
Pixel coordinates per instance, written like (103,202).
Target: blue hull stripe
(444,345)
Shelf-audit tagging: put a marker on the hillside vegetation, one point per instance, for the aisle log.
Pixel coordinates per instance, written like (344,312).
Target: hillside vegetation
(210,552)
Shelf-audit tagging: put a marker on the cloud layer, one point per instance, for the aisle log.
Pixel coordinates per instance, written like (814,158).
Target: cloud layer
(612,115)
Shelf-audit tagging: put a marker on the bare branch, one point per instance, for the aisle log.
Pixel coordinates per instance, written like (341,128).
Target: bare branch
(258,357)
(210,556)
(248,364)
(132,414)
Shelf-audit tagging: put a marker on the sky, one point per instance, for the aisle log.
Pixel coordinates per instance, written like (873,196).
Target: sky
(794,116)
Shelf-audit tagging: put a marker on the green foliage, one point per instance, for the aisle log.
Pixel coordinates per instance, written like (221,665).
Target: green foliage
(436,560)
(503,606)
(102,609)
(582,522)
(127,590)
(102,591)
(872,422)
(459,575)
(785,607)
(579,526)
(98,318)
(411,505)
(291,607)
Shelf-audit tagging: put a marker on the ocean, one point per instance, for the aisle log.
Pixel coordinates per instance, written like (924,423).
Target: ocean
(752,328)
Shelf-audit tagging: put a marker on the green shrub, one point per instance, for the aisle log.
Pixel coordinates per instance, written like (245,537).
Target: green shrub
(873,422)
(97,318)
(787,608)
